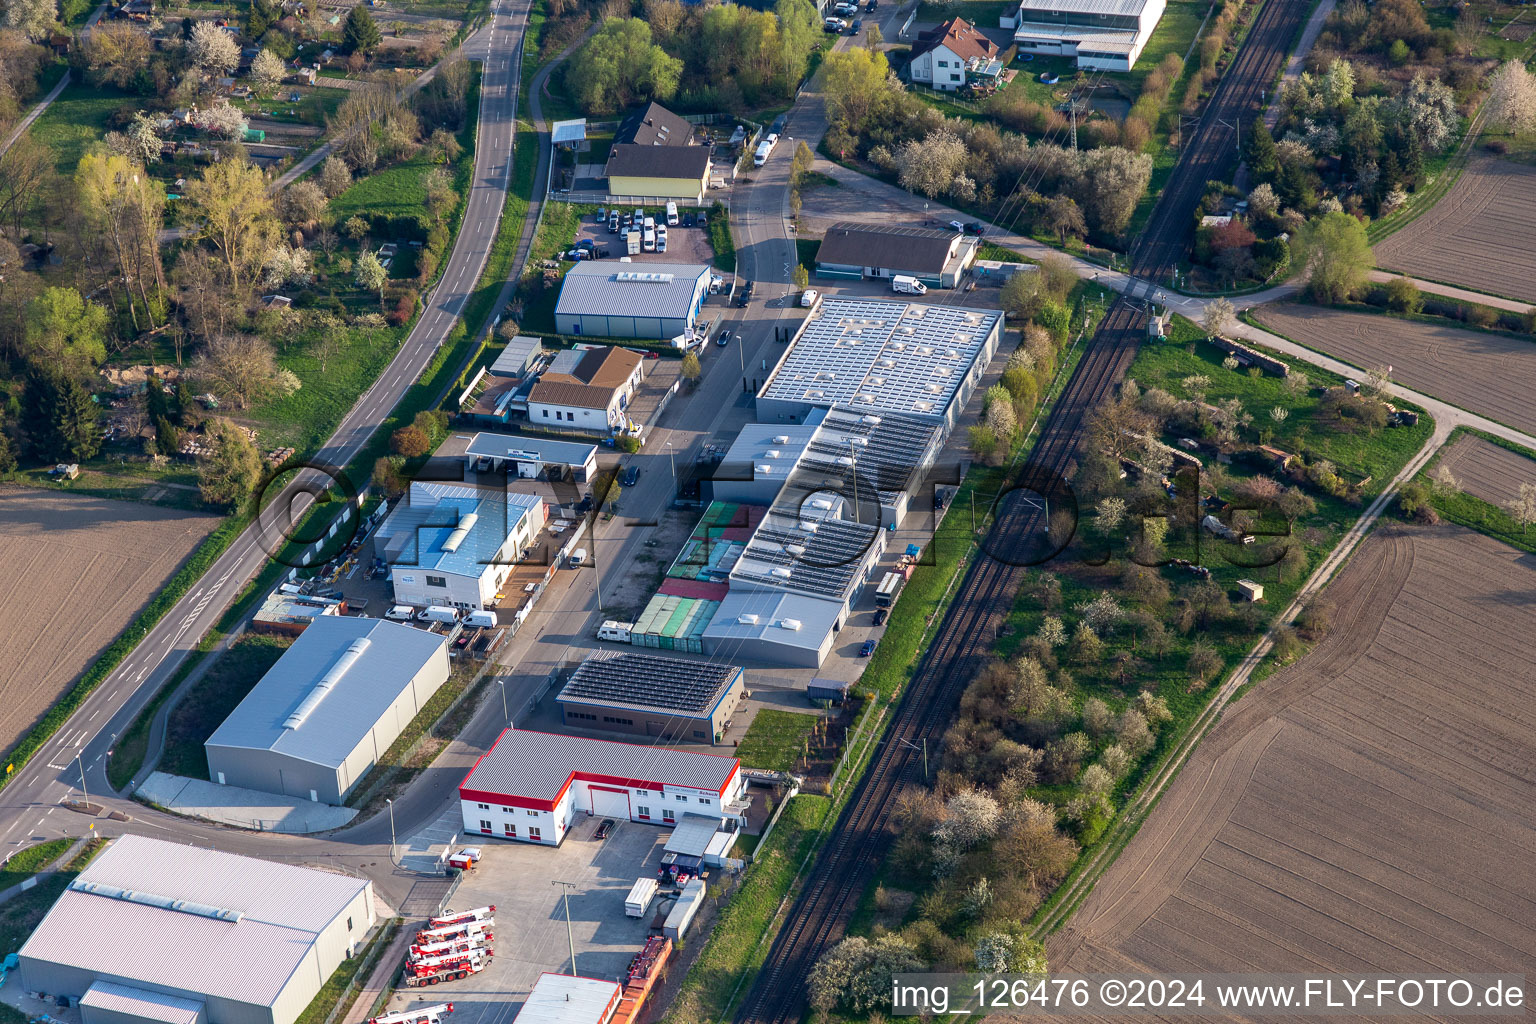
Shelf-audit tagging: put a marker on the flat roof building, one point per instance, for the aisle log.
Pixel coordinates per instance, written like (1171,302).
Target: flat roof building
(605,299)
(567,999)
(937,257)
(649,695)
(322,716)
(774,626)
(1102,35)
(530,786)
(168,933)
(454,545)
(530,456)
(520,355)
(876,356)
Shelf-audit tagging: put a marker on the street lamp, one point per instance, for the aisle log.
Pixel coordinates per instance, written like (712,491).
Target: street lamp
(81,763)
(503,683)
(673,457)
(569,936)
(391,804)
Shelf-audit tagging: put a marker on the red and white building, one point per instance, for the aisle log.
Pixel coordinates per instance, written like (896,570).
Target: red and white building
(530,786)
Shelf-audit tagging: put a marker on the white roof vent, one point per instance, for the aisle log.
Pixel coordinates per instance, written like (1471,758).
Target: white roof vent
(872,420)
(808,526)
(795,549)
(845,460)
(791,624)
(859,442)
(781,572)
(765,467)
(952,353)
(821,503)
(923,406)
(328,681)
(781,439)
(876,381)
(926,350)
(460,532)
(747,619)
(772,453)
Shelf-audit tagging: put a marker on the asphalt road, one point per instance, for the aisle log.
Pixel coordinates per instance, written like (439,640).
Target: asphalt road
(30,805)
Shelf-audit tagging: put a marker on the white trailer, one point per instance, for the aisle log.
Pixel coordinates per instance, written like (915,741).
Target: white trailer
(639,899)
(420,1015)
(684,909)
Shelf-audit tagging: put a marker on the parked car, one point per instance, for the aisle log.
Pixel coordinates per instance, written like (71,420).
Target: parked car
(604,828)
(880,614)
(868,649)
(631,475)
(832,25)
(853,29)
(975,228)
(723,338)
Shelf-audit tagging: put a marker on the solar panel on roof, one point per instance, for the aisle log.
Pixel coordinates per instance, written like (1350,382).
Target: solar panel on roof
(646,680)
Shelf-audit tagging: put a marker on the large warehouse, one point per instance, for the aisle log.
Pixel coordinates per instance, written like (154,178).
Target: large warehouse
(530,786)
(876,356)
(165,933)
(648,695)
(1103,35)
(326,712)
(454,545)
(604,299)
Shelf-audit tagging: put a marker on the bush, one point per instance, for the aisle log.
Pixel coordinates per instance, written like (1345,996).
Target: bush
(629,445)
(410,442)
(405,308)
(1404,296)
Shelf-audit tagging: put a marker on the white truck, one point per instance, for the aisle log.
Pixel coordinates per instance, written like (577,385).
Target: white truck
(908,286)
(639,899)
(764,149)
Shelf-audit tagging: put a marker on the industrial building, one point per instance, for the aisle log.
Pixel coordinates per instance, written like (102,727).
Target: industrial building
(1103,35)
(154,932)
(587,389)
(287,610)
(648,695)
(530,786)
(605,299)
(653,157)
(530,457)
(937,257)
(877,356)
(454,545)
(322,716)
(951,55)
(567,999)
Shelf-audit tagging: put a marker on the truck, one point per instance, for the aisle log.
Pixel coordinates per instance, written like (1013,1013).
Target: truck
(465,859)
(632,242)
(640,895)
(903,285)
(463,917)
(890,586)
(453,967)
(420,1015)
(645,972)
(764,149)
(462,930)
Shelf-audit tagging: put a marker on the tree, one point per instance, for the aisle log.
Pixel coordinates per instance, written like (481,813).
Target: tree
(1338,257)
(143,139)
(971,817)
(7,454)
(1262,201)
(1259,151)
(303,202)
(227,476)
(1064,217)
(982,441)
(934,165)
(1428,108)
(1111,513)
(59,419)
(1522,508)
(370,274)
(285,265)
(1052,632)
(1102,614)
(1131,732)
(1086,648)
(1111,181)
(1096,716)
(335,176)
(230,205)
(268,71)
(1203,661)
(691,370)
(410,442)
(116,52)
(1219,316)
(1022,295)
(1404,296)
(857,86)
(26,168)
(1512,99)
(212,50)
(66,331)
(438,186)
(240,367)
(801,276)
(224,120)
(857,973)
(360,33)
(36,19)
(621,66)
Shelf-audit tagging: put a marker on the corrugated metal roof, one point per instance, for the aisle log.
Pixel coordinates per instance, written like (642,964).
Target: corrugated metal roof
(430,513)
(514,359)
(394,655)
(692,834)
(506,446)
(564,999)
(595,289)
(537,765)
(141,1003)
(1122,7)
(815,615)
(283,908)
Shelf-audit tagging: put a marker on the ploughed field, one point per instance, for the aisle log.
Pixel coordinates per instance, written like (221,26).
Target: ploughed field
(78,569)
(1493,375)
(1481,235)
(1488,471)
(1366,810)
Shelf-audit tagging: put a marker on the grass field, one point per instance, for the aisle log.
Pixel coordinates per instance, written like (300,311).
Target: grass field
(394,191)
(75,121)
(31,860)
(210,701)
(776,739)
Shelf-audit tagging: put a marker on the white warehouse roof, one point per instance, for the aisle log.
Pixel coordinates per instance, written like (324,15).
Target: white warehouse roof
(188,918)
(329,689)
(565,999)
(136,1002)
(540,765)
(608,288)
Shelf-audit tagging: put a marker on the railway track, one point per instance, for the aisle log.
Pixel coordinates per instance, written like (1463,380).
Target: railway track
(963,641)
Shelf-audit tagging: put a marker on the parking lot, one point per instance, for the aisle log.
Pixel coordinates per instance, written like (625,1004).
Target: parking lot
(684,244)
(530,932)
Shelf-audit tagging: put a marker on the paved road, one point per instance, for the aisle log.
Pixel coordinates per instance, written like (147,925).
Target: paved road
(31,800)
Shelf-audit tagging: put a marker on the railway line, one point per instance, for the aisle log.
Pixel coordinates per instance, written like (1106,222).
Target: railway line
(963,641)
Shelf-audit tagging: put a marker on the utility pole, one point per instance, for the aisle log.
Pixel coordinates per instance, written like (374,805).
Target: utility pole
(391,804)
(569,936)
(81,763)
(923,748)
(503,684)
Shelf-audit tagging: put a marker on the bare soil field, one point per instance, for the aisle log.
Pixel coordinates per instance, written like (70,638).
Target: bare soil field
(1486,470)
(1490,374)
(1482,235)
(78,569)
(1365,811)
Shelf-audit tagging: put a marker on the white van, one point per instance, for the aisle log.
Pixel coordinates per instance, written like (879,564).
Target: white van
(908,286)
(808,298)
(481,619)
(438,613)
(401,613)
(671,215)
(618,632)
(578,557)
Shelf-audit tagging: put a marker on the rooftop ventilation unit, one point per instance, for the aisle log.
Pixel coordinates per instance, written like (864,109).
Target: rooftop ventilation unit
(327,682)
(888,362)
(923,406)
(934,389)
(952,353)
(858,442)
(845,460)
(781,439)
(459,533)
(821,503)
(765,467)
(747,619)
(795,549)
(772,453)
(149,899)
(926,350)
(808,526)
(643,277)
(790,624)
(781,572)
(873,421)
(876,381)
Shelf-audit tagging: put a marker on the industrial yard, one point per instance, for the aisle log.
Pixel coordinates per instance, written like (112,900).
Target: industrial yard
(81,568)
(1361,812)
